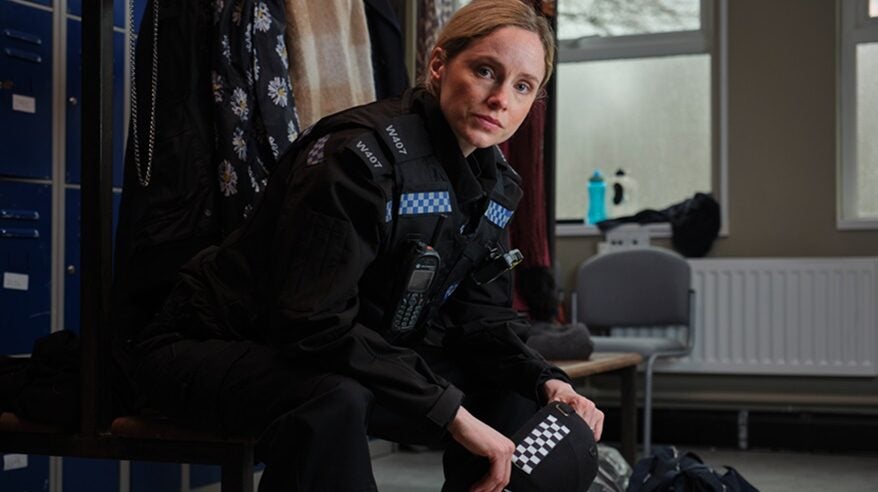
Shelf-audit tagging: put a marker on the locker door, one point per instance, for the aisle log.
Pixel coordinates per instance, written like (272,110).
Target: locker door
(152,477)
(203,475)
(25,264)
(25,91)
(81,475)
(74,107)
(72,275)
(24,473)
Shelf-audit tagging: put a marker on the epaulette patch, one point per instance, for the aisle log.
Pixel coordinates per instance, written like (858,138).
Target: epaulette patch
(406,137)
(498,214)
(425,202)
(369,150)
(317,153)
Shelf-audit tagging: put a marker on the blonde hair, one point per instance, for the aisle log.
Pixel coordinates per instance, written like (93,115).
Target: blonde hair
(482,17)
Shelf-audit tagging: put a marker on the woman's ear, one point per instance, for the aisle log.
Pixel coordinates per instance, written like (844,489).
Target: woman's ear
(436,66)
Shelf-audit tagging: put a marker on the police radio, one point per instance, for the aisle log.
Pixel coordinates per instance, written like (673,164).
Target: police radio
(420,267)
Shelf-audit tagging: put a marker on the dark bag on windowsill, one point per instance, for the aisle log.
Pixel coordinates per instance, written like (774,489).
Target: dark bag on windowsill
(695,223)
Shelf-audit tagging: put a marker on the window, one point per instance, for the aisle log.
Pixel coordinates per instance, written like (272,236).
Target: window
(858,121)
(638,89)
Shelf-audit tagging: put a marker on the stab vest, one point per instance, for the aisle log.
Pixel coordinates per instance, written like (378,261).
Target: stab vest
(421,206)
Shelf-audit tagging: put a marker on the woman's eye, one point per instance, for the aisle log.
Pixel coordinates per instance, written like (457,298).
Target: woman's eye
(522,87)
(484,72)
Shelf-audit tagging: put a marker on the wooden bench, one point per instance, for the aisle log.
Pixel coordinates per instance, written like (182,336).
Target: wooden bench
(625,366)
(136,438)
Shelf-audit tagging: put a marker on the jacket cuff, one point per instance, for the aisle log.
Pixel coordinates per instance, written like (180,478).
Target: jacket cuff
(445,408)
(548,373)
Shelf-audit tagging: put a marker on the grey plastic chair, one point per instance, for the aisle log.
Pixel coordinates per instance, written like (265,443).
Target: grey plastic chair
(637,287)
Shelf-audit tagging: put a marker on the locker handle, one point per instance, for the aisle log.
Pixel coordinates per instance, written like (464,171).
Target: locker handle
(15,233)
(22,36)
(24,55)
(19,214)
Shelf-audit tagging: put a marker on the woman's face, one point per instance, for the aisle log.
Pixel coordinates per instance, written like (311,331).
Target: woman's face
(486,91)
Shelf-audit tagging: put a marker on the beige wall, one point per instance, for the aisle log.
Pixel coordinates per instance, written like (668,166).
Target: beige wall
(782,147)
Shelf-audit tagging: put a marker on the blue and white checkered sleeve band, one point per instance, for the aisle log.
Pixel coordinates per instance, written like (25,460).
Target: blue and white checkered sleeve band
(388,211)
(425,202)
(498,214)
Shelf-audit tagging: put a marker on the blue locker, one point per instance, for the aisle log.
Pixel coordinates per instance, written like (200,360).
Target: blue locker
(202,475)
(26,93)
(25,264)
(74,109)
(154,477)
(32,478)
(82,475)
(72,263)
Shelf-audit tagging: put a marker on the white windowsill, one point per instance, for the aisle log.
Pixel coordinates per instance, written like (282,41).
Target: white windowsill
(662,230)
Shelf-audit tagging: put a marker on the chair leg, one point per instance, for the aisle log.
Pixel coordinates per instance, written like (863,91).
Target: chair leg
(647,407)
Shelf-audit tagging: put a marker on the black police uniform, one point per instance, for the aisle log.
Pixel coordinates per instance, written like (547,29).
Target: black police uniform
(285,328)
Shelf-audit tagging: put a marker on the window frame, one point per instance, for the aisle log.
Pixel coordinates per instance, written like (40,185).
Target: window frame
(856,27)
(711,39)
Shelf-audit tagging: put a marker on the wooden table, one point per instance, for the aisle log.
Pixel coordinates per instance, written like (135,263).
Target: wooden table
(625,365)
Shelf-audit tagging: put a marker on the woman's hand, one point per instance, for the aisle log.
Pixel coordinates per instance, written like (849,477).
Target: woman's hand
(557,390)
(482,440)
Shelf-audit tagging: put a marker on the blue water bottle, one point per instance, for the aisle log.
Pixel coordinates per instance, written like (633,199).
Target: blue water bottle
(597,201)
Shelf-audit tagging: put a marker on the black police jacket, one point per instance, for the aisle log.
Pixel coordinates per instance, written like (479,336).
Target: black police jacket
(316,269)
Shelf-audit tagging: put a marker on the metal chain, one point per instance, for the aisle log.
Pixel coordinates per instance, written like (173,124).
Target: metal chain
(144,178)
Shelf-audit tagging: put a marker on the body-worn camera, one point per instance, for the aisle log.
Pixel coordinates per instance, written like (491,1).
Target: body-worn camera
(419,267)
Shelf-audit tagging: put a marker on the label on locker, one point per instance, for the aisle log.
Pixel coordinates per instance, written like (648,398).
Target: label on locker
(25,104)
(14,461)
(15,281)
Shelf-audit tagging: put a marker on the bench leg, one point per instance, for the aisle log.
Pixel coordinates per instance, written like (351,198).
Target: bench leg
(237,471)
(629,414)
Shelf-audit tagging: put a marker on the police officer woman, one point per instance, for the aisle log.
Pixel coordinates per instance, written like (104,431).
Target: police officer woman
(369,294)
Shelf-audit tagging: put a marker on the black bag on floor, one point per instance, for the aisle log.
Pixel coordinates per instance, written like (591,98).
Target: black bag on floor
(668,470)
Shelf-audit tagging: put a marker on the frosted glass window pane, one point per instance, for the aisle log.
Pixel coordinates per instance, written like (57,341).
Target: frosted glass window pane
(650,117)
(867,128)
(585,18)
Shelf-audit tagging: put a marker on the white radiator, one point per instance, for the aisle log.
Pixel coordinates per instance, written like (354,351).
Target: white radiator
(781,316)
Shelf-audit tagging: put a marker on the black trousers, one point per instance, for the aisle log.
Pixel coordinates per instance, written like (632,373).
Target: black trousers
(313,426)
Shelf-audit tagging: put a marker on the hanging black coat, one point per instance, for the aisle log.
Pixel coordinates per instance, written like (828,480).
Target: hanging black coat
(163,224)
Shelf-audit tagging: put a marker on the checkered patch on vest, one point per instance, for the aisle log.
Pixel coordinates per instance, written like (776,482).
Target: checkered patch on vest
(498,214)
(316,154)
(425,202)
(536,446)
(388,211)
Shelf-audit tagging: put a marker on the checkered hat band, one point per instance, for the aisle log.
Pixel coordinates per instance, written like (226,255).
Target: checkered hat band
(537,445)
(425,202)
(498,214)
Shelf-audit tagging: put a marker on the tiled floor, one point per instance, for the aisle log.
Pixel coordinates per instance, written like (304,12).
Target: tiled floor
(769,471)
